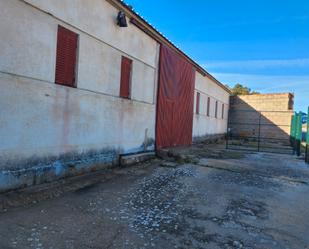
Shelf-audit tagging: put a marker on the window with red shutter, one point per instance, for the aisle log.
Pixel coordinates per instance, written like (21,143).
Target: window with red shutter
(198,97)
(222,111)
(208,106)
(125,80)
(67,42)
(216,112)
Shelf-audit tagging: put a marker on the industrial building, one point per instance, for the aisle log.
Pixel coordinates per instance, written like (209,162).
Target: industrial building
(83,82)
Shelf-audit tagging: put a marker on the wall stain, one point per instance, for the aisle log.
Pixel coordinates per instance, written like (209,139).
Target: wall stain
(17,174)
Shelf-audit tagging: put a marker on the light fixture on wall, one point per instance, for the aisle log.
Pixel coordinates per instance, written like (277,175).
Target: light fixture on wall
(122,20)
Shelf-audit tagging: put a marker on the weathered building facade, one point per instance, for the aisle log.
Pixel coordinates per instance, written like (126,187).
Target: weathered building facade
(212,107)
(77,90)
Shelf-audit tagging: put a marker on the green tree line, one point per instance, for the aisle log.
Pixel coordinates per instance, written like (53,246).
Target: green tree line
(239,89)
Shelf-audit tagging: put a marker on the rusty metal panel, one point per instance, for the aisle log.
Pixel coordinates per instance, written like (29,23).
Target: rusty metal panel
(175,100)
(67,42)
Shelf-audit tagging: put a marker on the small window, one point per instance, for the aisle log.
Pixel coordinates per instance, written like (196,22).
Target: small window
(198,97)
(216,111)
(208,106)
(222,111)
(66,57)
(126,75)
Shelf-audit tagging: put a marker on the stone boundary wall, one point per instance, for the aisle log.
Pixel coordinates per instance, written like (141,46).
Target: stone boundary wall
(267,115)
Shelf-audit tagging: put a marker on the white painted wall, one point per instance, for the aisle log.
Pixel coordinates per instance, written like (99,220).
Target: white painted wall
(28,41)
(98,18)
(40,118)
(204,125)
(44,119)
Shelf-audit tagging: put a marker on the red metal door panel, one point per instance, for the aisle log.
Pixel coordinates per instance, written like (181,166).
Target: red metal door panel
(167,117)
(175,100)
(66,57)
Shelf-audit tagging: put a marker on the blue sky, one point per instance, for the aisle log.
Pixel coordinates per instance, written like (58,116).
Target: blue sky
(261,44)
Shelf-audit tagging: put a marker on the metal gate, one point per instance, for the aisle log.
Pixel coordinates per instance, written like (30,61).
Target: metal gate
(263,131)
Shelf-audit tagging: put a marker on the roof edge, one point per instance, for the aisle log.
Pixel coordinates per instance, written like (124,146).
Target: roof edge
(119,4)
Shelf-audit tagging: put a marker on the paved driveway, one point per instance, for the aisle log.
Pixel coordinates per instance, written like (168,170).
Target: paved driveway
(196,198)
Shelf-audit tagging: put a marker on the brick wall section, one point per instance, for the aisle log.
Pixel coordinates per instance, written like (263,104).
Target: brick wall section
(275,110)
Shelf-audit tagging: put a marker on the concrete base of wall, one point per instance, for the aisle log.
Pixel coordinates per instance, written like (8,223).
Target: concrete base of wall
(127,160)
(21,174)
(209,138)
(28,172)
(172,154)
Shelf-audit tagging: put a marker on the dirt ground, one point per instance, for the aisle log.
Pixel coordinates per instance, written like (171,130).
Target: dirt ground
(195,197)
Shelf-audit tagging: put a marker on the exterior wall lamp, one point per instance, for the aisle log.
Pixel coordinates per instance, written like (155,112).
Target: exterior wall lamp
(122,20)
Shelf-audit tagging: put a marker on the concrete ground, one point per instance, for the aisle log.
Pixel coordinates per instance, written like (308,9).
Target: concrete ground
(193,198)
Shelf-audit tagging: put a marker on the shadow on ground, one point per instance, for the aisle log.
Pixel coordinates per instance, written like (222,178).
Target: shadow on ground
(197,197)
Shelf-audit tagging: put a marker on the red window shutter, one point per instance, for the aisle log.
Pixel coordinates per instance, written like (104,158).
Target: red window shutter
(208,106)
(216,112)
(198,96)
(66,57)
(222,111)
(125,81)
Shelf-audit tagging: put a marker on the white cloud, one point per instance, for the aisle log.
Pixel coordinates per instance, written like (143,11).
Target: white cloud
(257,64)
(265,82)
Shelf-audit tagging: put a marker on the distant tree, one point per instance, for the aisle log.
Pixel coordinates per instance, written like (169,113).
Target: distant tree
(239,89)
(255,92)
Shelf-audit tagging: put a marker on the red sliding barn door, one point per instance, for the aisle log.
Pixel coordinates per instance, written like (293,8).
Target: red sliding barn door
(175,100)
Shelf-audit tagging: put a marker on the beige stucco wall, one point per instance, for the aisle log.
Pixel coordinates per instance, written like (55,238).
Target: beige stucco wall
(40,118)
(202,124)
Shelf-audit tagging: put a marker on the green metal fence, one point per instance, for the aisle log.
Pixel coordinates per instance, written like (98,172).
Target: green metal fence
(292,133)
(296,132)
(307,140)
